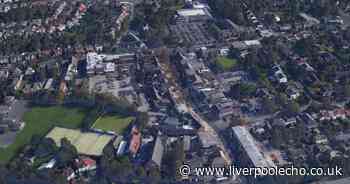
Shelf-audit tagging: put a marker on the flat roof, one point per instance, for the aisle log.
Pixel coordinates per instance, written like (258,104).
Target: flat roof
(252,42)
(248,143)
(191,12)
(158,151)
(87,143)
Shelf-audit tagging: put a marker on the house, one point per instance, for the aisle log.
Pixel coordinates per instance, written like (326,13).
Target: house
(343,137)
(278,75)
(30,71)
(334,20)
(226,109)
(264,93)
(172,121)
(226,30)
(320,139)
(292,92)
(308,120)
(327,115)
(48,84)
(173,131)
(4,74)
(231,78)
(109,67)
(285,122)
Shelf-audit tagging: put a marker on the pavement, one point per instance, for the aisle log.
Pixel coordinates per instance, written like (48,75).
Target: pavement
(17,111)
(7,139)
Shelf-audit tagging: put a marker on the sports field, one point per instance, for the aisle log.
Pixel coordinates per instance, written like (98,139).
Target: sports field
(87,143)
(115,124)
(39,120)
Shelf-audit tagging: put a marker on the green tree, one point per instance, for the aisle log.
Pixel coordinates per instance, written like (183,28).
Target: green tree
(347,90)
(282,99)
(231,9)
(46,147)
(269,106)
(142,120)
(140,172)
(66,153)
(293,107)
(154,175)
(242,90)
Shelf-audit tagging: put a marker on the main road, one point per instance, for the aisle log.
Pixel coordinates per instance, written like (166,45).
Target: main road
(175,91)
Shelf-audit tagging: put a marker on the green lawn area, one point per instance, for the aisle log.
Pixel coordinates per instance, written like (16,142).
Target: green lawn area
(115,124)
(225,63)
(39,120)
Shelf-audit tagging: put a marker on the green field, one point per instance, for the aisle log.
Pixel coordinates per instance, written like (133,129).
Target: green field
(39,120)
(225,63)
(115,124)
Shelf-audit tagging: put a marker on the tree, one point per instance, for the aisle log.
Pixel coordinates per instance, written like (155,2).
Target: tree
(115,168)
(324,8)
(242,90)
(121,166)
(347,105)
(66,153)
(304,47)
(46,147)
(270,106)
(142,120)
(154,174)
(293,107)
(107,157)
(277,137)
(294,8)
(282,99)
(59,178)
(173,159)
(234,53)
(347,90)
(35,140)
(3,174)
(140,172)
(231,9)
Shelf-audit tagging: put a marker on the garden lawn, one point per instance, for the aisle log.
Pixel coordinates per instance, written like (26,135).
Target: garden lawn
(115,124)
(225,63)
(39,120)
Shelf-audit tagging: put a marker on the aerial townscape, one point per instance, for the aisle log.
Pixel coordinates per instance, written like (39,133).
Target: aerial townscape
(131,91)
